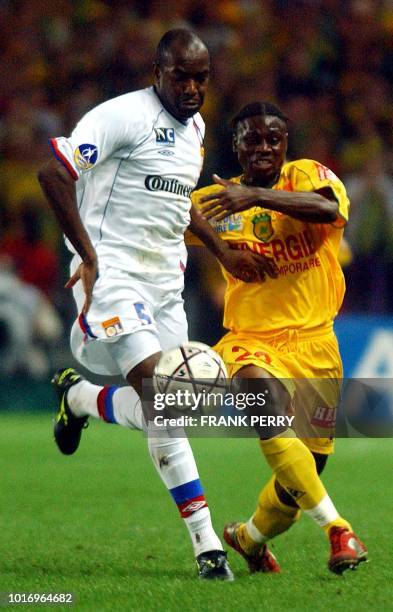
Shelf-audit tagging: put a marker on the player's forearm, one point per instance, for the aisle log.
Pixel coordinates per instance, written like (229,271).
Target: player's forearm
(303,205)
(204,231)
(59,189)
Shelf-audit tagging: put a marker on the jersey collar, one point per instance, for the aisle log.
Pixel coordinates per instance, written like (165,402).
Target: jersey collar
(185,122)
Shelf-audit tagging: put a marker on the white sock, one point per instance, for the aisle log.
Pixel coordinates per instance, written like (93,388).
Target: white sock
(324,513)
(254,532)
(175,463)
(202,534)
(82,399)
(127,408)
(119,405)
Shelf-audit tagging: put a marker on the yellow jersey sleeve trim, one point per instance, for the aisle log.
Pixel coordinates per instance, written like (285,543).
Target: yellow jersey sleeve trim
(317,183)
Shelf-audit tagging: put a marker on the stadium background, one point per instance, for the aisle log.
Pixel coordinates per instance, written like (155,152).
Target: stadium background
(329,65)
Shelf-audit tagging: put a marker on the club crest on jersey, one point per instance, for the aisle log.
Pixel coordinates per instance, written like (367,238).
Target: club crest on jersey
(165,136)
(263,227)
(85,156)
(112,327)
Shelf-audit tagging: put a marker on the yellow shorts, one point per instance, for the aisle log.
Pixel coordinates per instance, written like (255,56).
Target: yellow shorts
(310,367)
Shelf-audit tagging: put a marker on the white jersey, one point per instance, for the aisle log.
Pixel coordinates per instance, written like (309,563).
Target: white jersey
(135,167)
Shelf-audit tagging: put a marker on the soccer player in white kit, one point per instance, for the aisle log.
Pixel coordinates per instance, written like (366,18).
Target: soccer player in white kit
(134,161)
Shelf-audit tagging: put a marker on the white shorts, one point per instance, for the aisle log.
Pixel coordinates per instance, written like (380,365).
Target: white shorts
(128,321)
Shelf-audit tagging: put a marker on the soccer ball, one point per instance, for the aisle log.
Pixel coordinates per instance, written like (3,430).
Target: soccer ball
(189,370)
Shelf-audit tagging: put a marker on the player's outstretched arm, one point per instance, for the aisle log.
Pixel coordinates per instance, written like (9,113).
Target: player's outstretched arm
(309,206)
(246,266)
(59,189)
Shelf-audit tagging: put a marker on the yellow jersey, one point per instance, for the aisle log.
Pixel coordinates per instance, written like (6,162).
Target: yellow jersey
(310,287)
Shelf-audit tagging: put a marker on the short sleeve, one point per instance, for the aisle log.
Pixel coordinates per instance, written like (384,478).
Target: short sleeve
(95,138)
(309,175)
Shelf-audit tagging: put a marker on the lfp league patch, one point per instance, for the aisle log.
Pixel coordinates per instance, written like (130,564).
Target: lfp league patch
(85,156)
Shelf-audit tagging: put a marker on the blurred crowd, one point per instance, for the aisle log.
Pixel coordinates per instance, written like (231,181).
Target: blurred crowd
(327,63)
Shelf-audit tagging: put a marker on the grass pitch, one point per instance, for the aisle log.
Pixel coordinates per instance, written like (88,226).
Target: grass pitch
(100,524)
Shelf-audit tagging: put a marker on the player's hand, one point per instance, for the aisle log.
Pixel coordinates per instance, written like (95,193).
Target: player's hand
(233,198)
(87,272)
(248,267)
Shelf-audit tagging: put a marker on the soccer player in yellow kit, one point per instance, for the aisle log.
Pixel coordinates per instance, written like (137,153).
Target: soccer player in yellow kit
(281,327)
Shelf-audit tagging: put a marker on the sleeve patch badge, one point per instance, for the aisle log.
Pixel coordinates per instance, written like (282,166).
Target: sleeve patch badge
(85,156)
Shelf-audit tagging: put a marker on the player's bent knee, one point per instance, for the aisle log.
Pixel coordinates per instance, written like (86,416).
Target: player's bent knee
(253,380)
(320,461)
(143,372)
(253,375)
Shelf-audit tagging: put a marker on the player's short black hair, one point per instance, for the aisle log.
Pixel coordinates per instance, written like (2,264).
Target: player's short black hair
(184,35)
(255,109)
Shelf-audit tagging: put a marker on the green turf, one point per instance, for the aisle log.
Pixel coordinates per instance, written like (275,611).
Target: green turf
(101,524)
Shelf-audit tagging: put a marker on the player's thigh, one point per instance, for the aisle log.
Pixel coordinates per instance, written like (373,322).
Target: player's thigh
(121,304)
(320,446)
(241,351)
(91,353)
(132,350)
(171,322)
(255,378)
(267,400)
(119,327)
(317,370)
(114,358)
(315,403)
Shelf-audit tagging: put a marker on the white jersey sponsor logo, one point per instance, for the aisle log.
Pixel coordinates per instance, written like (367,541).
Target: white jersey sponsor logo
(160,183)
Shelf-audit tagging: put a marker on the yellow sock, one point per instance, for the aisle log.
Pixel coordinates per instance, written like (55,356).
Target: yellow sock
(272,517)
(247,543)
(339,522)
(295,470)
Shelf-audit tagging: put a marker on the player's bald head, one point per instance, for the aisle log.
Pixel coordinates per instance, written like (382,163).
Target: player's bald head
(181,71)
(179,41)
